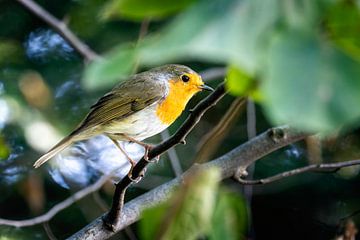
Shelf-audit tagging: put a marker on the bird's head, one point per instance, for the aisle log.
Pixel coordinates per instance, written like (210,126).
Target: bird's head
(183,79)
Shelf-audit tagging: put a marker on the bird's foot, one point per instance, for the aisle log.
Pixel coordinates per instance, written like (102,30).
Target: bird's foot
(147,148)
(138,178)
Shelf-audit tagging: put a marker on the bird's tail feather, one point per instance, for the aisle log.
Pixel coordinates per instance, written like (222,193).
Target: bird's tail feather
(53,151)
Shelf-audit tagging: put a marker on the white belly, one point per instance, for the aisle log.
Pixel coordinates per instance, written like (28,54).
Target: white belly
(140,125)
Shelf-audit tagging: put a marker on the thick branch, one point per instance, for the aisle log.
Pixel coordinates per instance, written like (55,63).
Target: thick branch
(61,28)
(58,207)
(241,156)
(113,217)
(311,168)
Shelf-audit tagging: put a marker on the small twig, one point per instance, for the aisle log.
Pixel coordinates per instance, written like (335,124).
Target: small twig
(58,207)
(210,142)
(143,29)
(313,167)
(174,159)
(130,233)
(251,118)
(61,28)
(98,200)
(251,133)
(48,231)
(113,217)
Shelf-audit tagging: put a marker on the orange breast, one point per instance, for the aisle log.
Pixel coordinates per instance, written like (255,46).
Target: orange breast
(173,105)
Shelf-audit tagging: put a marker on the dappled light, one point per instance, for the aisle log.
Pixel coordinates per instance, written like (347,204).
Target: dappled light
(4,112)
(35,90)
(49,135)
(44,45)
(84,162)
(188,119)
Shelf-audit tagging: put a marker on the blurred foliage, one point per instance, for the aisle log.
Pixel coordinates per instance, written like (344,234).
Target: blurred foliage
(324,88)
(4,149)
(292,45)
(110,68)
(188,213)
(83,18)
(197,209)
(343,23)
(229,220)
(11,52)
(240,84)
(198,33)
(299,59)
(138,9)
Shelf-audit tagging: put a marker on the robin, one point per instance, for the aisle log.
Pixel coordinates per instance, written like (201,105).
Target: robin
(137,108)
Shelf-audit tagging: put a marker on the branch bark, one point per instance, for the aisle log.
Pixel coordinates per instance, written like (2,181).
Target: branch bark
(240,157)
(61,28)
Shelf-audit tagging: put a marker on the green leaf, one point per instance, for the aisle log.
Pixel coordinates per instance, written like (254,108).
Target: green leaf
(198,33)
(309,84)
(303,15)
(188,213)
(151,221)
(140,9)
(230,217)
(116,66)
(218,31)
(239,83)
(343,23)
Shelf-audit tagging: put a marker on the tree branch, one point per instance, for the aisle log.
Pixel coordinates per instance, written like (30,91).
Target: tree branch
(58,207)
(240,157)
(61,28)
(48,231)
(112,219)
(311,168)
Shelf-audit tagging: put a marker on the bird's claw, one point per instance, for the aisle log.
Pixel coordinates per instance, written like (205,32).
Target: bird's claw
(137,179)
(155,159)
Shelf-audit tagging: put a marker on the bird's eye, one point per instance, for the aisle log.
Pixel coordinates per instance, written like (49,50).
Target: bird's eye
(185,78)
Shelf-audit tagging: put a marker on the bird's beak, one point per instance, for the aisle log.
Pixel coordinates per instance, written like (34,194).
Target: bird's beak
(206,87)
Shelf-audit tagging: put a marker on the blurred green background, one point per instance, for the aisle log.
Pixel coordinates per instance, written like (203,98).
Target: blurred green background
(298,60)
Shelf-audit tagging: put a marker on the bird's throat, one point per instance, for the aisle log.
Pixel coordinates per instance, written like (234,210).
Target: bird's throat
(174,103)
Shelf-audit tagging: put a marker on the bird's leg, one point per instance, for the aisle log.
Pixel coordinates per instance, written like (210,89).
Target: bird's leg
(147,147)
(132,162)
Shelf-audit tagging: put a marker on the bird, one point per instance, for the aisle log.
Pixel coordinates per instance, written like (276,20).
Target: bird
(137,108)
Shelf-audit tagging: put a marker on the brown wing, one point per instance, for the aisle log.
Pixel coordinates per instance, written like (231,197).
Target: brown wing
(125,99)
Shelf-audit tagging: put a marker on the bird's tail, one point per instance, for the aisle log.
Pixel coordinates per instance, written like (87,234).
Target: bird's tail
(56,149)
